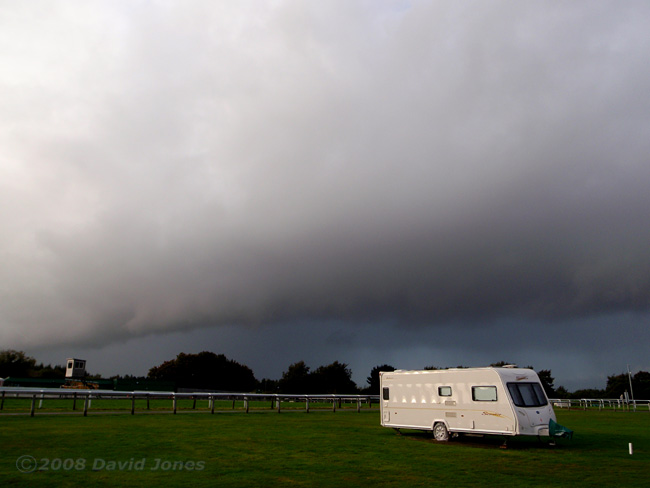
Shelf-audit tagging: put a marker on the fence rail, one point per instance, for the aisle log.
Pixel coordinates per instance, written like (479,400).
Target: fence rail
(39,395)
(87,396)
(600,403)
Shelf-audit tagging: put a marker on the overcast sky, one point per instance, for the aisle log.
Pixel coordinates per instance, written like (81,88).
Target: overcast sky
(406,182)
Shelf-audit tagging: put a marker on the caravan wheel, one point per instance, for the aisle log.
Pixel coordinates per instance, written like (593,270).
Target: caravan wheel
(440,432)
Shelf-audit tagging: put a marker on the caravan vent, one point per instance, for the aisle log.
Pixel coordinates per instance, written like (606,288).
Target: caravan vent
(510,366)
(450,414)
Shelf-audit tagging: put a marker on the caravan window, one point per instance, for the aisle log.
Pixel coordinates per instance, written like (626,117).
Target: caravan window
(444,390)
(385,394)
(484,393)
(527,394)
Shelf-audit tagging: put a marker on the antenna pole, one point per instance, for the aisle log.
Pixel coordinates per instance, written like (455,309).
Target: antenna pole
(629,377)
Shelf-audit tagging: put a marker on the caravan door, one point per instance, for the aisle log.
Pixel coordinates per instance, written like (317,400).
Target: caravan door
(385,410)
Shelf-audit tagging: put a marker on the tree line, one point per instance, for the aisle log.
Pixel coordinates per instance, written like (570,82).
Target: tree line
(209,371)
(18,364)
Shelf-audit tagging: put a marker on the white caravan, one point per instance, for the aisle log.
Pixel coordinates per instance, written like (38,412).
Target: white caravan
(505,401)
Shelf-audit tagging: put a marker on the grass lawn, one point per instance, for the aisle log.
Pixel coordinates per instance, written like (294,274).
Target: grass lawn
(322,448)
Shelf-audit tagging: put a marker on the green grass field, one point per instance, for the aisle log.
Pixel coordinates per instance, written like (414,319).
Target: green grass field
(322,448)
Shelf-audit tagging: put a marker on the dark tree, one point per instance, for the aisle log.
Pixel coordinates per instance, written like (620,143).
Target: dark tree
(296,379)
(16,364)
(641,385)
(547,382)
(500,364)
(266,385)
(373,379)
(562,392)
(333,378)
(49,371)
(206,371)
(588,393)
(617,385)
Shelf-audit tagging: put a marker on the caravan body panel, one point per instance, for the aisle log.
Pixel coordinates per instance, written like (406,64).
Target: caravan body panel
(505,401)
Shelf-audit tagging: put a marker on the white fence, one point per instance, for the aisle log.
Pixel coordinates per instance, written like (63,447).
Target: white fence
(600,404)
(38,395)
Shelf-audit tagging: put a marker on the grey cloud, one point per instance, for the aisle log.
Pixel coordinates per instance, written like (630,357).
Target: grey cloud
(202,165)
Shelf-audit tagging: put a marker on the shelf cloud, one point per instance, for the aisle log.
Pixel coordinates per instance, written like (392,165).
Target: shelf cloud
(169,168)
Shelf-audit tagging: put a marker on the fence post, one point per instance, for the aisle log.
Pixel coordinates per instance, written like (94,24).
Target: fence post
(279,402)
(31,412)
(147,401)
(132,404)
(358,405)
(2,402)
(246,404)
(174,404)
(74,401)
(211,404)
(307,404)
(194,403)
(86,406)
(334,405)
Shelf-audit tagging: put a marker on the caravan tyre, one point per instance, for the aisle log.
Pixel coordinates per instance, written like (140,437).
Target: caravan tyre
(440,432)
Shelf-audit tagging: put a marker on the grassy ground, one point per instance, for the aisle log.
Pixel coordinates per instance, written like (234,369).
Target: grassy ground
(321,448)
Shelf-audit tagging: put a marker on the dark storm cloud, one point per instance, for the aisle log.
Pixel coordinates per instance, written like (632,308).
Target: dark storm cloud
(417,164)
